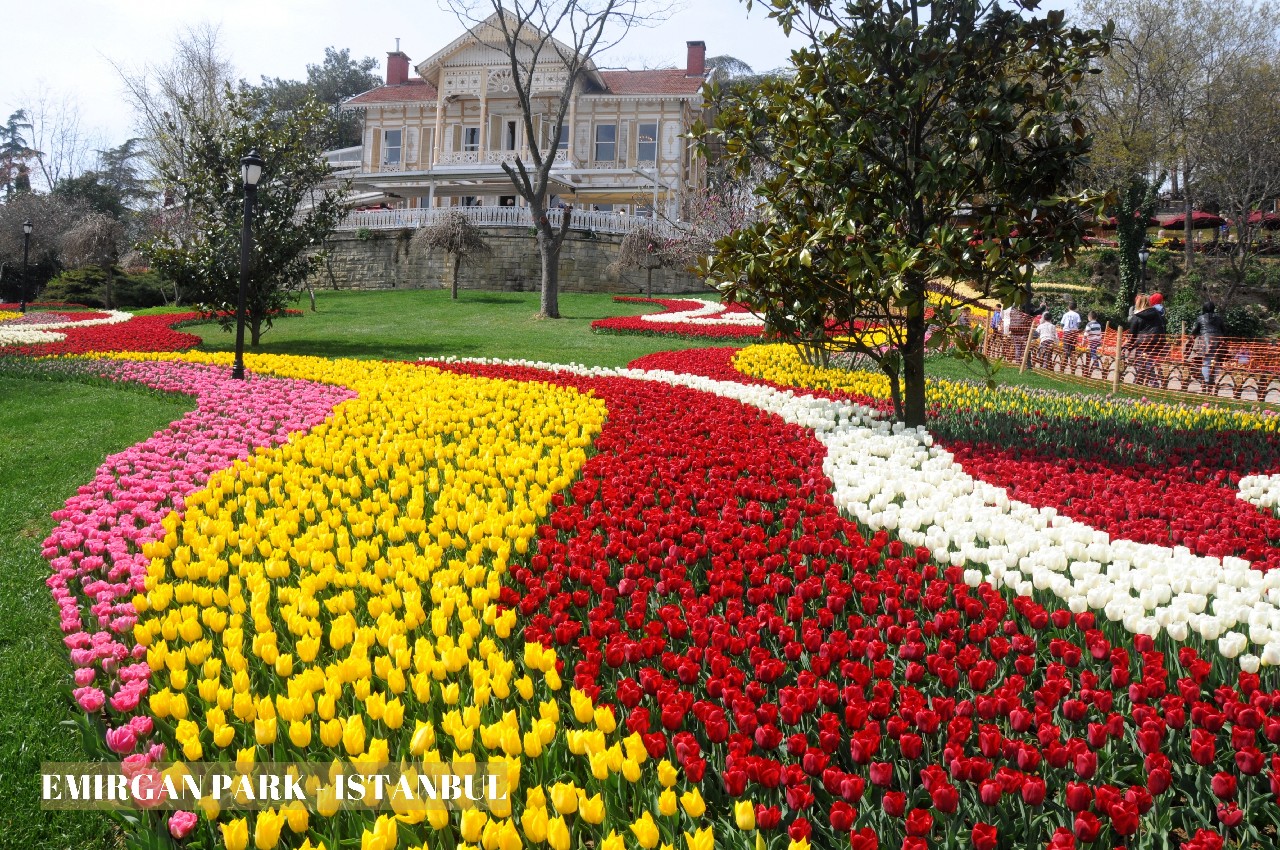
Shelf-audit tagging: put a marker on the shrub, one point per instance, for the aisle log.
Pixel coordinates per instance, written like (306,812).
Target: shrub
(88,286)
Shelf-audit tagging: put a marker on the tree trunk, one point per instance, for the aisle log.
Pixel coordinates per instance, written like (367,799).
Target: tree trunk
(457,261)
(549,251)
(913,364)
(255,331)
(111,274)
(648,283)
(1190,254)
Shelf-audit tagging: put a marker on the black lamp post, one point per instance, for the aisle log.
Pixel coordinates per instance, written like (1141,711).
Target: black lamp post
(26,248)
(250,172)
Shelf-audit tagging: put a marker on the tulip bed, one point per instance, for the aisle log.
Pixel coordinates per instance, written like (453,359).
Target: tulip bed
(687,318)
(686,605)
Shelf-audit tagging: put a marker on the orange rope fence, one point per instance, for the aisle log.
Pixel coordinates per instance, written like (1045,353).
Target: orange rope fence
(1170,365)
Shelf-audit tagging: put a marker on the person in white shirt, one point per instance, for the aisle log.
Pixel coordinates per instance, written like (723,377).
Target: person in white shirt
(1048,333)
(1070,330)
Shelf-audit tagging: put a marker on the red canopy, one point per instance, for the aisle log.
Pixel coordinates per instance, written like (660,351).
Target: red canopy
(1268,221)
(1199,221)
(1112,223)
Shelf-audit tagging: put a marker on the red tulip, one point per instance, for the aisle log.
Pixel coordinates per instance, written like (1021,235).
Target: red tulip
(1086,827)
(985,836)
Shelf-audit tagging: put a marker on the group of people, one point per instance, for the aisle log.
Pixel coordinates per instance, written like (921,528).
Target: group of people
(1017,323)
(1146,340)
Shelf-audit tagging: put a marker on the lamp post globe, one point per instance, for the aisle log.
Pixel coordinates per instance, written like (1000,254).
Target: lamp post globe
(250,173)
(1144,254)
(26,248)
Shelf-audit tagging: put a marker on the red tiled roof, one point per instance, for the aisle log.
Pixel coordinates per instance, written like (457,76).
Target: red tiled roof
(672,81)
(414,91)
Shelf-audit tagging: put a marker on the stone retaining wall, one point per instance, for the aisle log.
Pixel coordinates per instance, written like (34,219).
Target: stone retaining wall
(385,259)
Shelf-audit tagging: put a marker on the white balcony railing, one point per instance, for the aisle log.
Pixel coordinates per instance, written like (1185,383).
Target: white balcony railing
(580,220)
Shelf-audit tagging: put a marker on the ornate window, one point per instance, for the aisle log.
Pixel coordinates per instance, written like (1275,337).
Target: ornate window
(647,142)
(606,142)
(391,146)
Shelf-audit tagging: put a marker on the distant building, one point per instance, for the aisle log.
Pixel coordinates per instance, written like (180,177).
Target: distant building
(437,137)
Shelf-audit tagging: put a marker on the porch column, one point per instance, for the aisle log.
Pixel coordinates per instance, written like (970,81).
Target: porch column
(483,153)
(438,141)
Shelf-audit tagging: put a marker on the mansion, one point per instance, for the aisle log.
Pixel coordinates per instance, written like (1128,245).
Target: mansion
(437,133)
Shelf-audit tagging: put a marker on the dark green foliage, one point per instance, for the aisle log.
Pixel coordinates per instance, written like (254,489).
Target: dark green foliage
(331,82)
(86,286)
(295,210)
(898,117)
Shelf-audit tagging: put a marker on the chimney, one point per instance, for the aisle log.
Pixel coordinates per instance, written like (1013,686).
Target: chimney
(397,67)
(697,64)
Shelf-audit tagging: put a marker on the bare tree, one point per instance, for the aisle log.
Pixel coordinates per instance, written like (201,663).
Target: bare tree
(64,148)
(198,74)
(550,47)
(1240,147)
(647,247)
(94,241)
(457,237)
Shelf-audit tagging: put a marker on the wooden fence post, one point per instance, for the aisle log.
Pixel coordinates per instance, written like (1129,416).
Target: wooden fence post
(1119,361)
(1026,349)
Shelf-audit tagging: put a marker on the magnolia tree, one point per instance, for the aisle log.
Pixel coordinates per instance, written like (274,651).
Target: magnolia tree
(297,206)
(900,116)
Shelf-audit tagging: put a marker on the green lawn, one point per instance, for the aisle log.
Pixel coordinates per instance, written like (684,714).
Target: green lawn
(53,435)
(408,324)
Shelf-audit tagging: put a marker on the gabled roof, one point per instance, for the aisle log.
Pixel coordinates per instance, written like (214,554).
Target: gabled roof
(489,32)
(671,81)
(413,91)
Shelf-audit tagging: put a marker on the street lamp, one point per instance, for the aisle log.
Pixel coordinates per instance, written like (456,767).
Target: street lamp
(26,248)
(250,173)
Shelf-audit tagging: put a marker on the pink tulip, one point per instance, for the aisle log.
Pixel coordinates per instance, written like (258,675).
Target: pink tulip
(181,824)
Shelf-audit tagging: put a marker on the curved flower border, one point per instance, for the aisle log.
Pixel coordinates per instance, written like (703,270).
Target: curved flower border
(686,318)
(95,551)
(889,477)
(43,332)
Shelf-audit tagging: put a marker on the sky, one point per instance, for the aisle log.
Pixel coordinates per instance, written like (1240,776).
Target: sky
(68,46)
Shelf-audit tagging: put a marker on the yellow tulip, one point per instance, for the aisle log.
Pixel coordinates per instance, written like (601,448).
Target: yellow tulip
(235,834)
(266,830)
(508,837)
(558,834)
(667,803)
(646,831)
(744,814)
(693,803)
(583,710)
(473,821)
(264,731)
(666,774)
(703,839)
(353,735)
(564,796)
(591,809)
(801,844)
(300,733)
(297,816)
(613,841)
(605,720)
(630,770)
(535,823)
(331,733)
(424,737)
